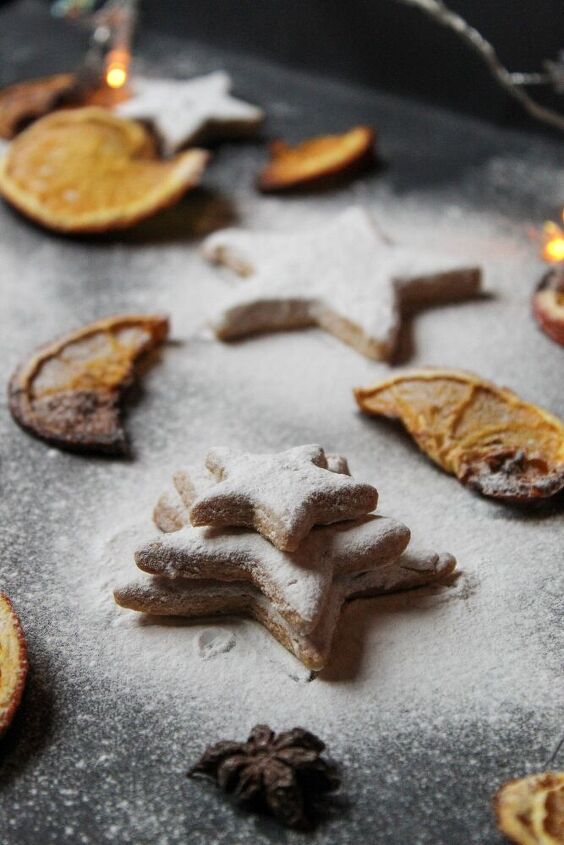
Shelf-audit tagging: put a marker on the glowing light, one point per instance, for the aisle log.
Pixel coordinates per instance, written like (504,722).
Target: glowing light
(116,76)
(552,249)
(116,69)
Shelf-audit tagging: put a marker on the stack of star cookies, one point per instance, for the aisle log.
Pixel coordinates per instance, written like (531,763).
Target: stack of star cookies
(285,538)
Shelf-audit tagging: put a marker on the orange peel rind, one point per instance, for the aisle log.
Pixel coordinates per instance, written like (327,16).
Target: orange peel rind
(485,435)
(548,304)
(530,810)
(316,159)
(13,662)
(86,170)
(69,392)
(24,102)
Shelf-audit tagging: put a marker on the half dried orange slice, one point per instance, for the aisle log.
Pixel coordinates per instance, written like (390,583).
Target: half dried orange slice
(85,170)
(548,304)
(13,662)
(24,102)
(530,811)
(485,435)
(316,159)
(69,392)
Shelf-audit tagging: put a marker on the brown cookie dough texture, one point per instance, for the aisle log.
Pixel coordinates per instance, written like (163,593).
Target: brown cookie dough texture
(297,595)
(344,277)
(189,111)
(282,496)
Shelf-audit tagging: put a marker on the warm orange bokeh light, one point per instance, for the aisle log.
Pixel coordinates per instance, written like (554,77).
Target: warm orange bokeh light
(553,242)
(116,68)
(116,76)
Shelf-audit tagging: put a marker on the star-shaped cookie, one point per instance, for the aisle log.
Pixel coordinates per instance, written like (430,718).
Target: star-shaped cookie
(295,583)
(344,277)
(281,495)
(172,510)
(195,599)
(191,111)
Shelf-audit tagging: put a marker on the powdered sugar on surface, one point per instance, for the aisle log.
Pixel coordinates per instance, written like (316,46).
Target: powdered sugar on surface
(462,684)
(483,638)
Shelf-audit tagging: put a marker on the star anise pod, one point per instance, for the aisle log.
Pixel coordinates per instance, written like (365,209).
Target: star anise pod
(282,774)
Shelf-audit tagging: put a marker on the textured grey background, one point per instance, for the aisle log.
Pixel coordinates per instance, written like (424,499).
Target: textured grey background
(380,43)
(91,758)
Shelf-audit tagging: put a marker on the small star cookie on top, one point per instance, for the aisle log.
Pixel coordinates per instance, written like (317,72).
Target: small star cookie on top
(282,496)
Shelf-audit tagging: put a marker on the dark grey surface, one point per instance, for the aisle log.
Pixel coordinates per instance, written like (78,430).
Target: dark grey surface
(90,759)
(381,43)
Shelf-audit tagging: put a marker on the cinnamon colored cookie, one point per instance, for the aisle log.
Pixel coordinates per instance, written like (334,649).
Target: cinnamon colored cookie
(344,278)
(297,596)
(295,583)
(280,495)
(189,111)
(172,510)
(197,599)
(169,514)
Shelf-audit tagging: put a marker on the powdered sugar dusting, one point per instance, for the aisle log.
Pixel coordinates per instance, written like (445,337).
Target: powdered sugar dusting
(296,583)
(464,680)
(482,636)
(182,110)
(214,641)
(282,495)
(343,276)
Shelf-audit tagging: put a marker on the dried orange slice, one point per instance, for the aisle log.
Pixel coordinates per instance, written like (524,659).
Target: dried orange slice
(24,102)
(530,811)
(85,170)
(13,662)
(316,159)
(548,304)
(69,392)
(485,435)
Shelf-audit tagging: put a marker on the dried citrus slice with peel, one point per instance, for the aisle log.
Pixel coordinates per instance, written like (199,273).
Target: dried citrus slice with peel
(548,304)
(316,159)
(69,393)
(13,662)
(548,815)
(26,101)
(530,811)
(485,435)
(86,170)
